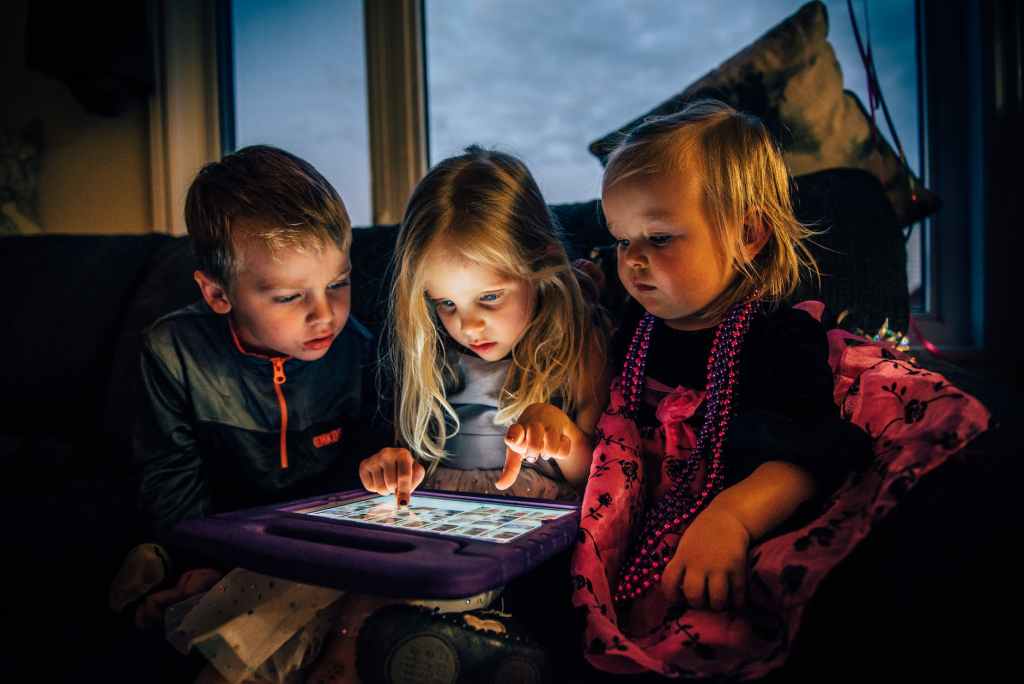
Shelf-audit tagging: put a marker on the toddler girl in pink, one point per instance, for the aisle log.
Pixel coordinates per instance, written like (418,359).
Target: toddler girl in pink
(719,491)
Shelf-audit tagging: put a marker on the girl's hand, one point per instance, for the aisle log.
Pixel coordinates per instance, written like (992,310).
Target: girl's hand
(390,471)
(710,563)
(542,431)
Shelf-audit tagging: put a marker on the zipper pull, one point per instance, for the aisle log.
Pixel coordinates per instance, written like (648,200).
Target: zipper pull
(279,376)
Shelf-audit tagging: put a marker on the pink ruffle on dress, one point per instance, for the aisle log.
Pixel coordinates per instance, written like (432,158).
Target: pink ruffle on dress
(916,421)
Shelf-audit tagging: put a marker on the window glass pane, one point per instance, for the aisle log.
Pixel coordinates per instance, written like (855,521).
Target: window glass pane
(300,84)
(894,51)
(543,79)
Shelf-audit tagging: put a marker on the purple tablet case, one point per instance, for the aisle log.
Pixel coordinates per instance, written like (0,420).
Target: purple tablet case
(390,562)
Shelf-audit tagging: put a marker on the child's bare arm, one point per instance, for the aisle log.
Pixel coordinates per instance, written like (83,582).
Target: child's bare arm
(766,498)
(710,564)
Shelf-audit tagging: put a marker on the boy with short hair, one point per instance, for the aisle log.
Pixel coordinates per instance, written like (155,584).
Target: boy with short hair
(255,394)
(261,392)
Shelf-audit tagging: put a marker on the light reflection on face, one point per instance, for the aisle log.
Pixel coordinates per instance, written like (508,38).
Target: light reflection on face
(667,257)
(482,309)
(291,303)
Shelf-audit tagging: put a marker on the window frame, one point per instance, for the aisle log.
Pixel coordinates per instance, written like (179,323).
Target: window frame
(953,319)
(396,98)
(184,109)
(954,239)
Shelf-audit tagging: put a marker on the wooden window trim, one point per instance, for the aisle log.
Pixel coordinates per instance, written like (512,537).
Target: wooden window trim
(396,100)
(184,118)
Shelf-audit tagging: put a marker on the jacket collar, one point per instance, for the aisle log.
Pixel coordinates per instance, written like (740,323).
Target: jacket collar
(245,352)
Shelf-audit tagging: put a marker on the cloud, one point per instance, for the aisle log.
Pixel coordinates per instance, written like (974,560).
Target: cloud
(540,78)
(545,78)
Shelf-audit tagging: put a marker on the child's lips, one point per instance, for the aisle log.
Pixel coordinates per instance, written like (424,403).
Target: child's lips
(643,287)
(318,343)
(482,346)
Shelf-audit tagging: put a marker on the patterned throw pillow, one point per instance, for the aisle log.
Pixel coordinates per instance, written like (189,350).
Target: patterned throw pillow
(790,78)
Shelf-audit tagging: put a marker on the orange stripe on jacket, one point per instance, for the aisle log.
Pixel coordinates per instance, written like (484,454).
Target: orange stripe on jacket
(279,379)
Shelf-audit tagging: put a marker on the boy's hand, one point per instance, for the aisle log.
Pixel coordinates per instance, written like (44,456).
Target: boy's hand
(390,471)
(710,563)
(542,431)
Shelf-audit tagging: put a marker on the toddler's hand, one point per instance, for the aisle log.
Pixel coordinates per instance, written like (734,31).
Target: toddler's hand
(390,471)
(712,554)
(542,431)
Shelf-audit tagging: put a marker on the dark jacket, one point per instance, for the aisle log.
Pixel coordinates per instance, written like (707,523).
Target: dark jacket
(209,437)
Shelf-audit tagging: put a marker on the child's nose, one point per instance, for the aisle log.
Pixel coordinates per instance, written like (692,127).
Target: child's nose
(320,311)
(472,324)
(634,256)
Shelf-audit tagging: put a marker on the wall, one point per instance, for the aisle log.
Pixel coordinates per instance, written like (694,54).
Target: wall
(94,175)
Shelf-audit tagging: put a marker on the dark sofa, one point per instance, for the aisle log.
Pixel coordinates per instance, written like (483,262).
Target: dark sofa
(920,597)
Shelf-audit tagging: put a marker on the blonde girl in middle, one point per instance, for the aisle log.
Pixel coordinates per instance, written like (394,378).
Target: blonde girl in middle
(498,355)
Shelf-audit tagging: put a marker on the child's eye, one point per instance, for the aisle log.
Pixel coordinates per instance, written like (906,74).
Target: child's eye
(339,285)
(444,305)
(491,297)
(660,240)
(286,298)
(622,244)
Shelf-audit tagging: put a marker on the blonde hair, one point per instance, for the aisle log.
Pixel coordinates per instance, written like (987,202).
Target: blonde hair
(485,207)
(745,182)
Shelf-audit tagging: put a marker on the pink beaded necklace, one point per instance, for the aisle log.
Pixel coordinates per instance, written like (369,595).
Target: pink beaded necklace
(679,504)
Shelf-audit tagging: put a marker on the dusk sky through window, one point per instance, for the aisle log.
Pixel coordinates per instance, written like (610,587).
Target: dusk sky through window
(300,84)
(538,78)
(543,79)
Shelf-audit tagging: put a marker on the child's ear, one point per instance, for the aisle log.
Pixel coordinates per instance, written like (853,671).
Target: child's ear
(213,292)
(755,236)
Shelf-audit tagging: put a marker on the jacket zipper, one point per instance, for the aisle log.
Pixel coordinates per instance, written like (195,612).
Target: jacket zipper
(279,379)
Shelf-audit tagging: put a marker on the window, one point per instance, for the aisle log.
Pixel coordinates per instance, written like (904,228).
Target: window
(543,79)
(299,82)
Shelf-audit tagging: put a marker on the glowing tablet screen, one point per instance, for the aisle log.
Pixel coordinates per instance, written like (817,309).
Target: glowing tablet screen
(483,520)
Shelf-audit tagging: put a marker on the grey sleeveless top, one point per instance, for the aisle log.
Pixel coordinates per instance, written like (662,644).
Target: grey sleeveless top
(480,442)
